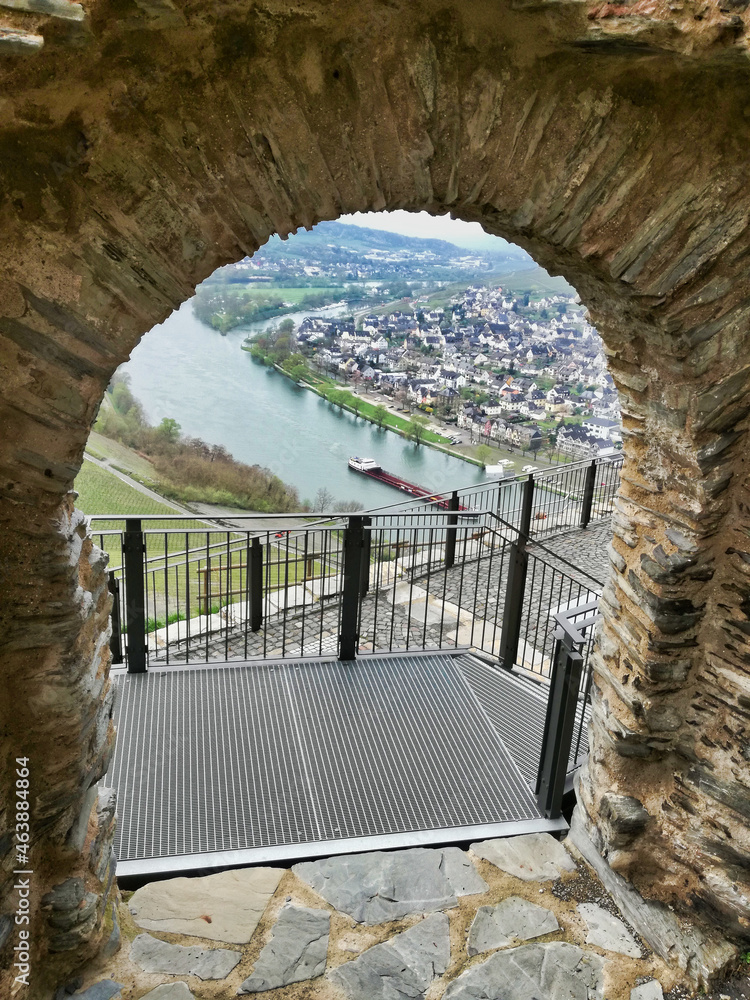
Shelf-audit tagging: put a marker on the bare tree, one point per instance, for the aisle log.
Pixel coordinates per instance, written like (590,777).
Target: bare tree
(323,499)
(417,429)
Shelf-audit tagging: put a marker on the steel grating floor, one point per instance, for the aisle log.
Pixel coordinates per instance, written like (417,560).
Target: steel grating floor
(517,707)
(241,763)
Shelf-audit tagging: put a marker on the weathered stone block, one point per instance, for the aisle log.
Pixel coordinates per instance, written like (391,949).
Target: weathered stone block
(607,931)
(624,815)
(648,991)
(154,955)
(65,896)
(513,918)
(66,919)
(387,886)
(234,900)
(79,934)
(533,857)
(533,971)
(297,950)
(19,43)
(401,967)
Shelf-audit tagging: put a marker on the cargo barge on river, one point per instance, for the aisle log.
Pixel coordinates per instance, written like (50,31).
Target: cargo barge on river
(369,467)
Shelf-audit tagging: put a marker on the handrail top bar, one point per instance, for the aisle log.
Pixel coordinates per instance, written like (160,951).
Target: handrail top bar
(314,516)
(316,525)
(574,630)
(520,478)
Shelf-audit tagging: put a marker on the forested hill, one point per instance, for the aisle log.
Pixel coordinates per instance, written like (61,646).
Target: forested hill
(337,262)
(331,238)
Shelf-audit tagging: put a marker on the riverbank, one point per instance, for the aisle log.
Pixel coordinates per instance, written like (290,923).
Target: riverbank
(225,307)
(391,421)
(388,424)
(185,370)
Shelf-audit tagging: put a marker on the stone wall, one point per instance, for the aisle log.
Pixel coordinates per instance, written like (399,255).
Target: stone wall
(144,144)
(59,718)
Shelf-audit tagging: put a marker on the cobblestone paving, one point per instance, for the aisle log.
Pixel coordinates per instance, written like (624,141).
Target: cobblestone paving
(462,606)
(585,548)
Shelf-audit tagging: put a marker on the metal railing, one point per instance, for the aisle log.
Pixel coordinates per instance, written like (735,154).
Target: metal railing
(565,498)
(461,570)
(453,570)
(567,705)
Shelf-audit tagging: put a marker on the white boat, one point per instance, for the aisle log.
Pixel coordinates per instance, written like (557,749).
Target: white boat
(363,464)
(498,471)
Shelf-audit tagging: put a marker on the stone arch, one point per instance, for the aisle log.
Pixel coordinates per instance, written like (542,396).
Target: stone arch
(142,146)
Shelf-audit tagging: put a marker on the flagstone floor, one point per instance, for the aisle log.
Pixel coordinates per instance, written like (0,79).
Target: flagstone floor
(519,918)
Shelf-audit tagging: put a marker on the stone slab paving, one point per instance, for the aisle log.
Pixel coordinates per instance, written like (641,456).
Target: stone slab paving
(607,931)
(297,950)
(105,989)
(535,857)
(155,955)
(170,991)
(514,918)
(648,991)
(436,924)
(222,907)
(401,968)
(382,886)
(535,971)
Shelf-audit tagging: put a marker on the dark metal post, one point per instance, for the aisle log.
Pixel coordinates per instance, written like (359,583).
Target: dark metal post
(527,503)
(366,550)
(450,537)
(558,728)
(353,548)
(115,640)
(255,584)
(588,494)
(133,550)
(514,598)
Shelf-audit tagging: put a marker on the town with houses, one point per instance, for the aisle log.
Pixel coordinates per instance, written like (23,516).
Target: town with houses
(514,373)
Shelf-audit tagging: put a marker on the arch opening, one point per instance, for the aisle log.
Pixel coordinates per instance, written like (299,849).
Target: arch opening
(602,173)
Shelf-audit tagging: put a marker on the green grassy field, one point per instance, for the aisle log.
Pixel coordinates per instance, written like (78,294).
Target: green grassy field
(534,280)
(102,492)
(189,569)
(290,293)
(124,458)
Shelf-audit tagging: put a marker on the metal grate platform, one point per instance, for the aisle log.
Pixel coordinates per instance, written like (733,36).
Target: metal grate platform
(517,706)
(231,764)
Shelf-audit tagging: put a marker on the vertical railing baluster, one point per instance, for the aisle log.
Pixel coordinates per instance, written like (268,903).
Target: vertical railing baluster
(450,537)
(115,640)
(588,494)
(366,550)
(395,579)
(208,590)
(135,595)
(255,584)
(353,553)
(559,724)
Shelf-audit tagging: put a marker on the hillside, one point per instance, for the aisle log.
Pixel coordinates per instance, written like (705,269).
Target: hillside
(332,236)
(345,251)
(536,280)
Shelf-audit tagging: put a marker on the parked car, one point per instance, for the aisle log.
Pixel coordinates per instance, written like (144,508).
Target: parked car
(530,468)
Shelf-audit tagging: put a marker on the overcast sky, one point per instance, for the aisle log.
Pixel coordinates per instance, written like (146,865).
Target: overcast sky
(425,226)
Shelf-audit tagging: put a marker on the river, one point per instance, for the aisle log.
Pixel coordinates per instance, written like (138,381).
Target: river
(217,392)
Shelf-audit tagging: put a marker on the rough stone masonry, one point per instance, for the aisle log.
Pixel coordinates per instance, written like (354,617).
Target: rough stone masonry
(145,142)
